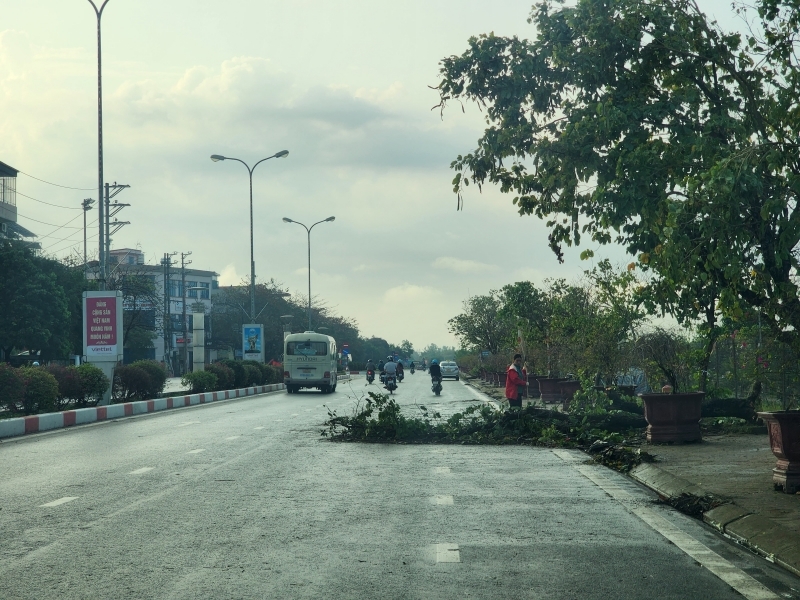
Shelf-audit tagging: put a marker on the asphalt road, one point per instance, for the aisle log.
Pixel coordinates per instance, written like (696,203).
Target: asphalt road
(244,499)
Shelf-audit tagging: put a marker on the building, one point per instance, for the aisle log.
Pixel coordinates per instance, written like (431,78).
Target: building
(162,312)
(9,228)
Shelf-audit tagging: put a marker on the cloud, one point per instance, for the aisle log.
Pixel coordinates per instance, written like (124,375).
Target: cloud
(407,294)
(460,265)
(228,275)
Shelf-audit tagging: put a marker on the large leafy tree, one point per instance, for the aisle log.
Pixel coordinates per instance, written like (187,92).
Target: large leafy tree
(644,123)
(482,325)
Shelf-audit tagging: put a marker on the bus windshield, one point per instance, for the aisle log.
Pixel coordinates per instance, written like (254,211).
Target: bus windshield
(307,348)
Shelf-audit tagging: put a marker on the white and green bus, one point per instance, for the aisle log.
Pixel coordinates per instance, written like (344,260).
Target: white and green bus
(309,361)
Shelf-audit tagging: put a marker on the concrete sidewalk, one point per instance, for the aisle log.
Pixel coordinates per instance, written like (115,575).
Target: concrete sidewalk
(736,471)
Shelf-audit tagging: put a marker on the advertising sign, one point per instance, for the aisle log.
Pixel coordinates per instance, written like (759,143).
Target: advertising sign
(102,326)
(253,342)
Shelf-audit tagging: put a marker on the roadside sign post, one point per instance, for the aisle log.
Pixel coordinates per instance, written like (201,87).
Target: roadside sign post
(253,342)
(102,333)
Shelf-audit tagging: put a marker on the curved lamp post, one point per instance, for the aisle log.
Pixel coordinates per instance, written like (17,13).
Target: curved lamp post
(219,157)
(308,230)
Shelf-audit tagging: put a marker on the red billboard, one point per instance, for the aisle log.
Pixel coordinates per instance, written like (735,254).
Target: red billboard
(100,318)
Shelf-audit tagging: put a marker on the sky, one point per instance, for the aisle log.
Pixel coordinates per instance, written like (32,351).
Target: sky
(344,86)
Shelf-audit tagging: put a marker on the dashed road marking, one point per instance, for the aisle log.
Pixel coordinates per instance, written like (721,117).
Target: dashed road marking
(142,470)
(189,423)
(441,470)
(442,500)
(722,568)
(233,437)
(258,428)
(279,420)
(295,414)
(448,553)
(63,500)
(308,410)
(198,451)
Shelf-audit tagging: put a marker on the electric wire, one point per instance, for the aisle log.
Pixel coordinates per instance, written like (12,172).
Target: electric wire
(51,224)
(49,203)
(66,187)
(70,236)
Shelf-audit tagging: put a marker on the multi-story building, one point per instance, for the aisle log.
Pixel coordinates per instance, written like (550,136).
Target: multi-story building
(167,309)
(9,228)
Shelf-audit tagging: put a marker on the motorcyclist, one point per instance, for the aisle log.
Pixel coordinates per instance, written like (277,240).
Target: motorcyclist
(412,366)
(380,366)
(390,369)
(400,372)
(370,365)
(435,370)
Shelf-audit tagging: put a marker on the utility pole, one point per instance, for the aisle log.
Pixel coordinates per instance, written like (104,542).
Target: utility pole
(167,263)
(112,190)
(87,205)
(185,357)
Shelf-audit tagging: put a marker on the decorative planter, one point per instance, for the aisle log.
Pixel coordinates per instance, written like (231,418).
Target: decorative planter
(568,389)
(784,439)
(550,388)
(628,390)
(673,417)
(501,379)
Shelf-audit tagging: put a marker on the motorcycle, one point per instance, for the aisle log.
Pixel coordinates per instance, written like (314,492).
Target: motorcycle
(400,376)
(436,386)
(383,376)
(391,383)
(370,376)
(412,370)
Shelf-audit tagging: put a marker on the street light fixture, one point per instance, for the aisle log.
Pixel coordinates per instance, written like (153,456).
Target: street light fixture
(308,230)
(218,158)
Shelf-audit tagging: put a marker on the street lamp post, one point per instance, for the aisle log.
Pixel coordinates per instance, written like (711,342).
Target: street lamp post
(87,205)
(217,158)
(101,219)
(308,230)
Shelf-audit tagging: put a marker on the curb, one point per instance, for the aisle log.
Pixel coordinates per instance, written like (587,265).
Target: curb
(765,537)
(80,416)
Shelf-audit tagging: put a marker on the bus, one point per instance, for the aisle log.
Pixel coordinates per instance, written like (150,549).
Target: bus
(309,361)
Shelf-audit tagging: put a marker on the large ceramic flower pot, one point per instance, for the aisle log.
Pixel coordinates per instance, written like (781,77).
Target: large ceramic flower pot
(501,379)
(550,388)
(784,439)
(673,417)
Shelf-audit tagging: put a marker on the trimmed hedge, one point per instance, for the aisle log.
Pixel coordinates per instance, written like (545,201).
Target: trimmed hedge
(12,388)
(240,378)
(41,390)
(226,378)
(200,381)
(157,374)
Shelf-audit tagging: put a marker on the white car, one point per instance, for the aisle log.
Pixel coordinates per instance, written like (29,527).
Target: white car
(449,369)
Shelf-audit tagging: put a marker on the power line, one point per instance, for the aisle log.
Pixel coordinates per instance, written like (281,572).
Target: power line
(52,224)
(48,203)
(74,233)
(66,187)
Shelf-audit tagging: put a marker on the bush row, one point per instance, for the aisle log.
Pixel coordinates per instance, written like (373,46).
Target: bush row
(230,374)
(141,380)
(32,390)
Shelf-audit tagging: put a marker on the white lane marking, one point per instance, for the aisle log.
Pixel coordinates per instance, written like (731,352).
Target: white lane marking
(142,470)
(198,451)
(308,410)
(442,500)
(726,571)
(441,470)
(63,500)
(447,553)
(258,428)
(189,423)
(279,420)
(233,437)
(295,415)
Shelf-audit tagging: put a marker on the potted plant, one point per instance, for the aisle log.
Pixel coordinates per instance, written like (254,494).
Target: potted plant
(672,415)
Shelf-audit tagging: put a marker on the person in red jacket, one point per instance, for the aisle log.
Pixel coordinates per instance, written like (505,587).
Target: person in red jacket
(516,379)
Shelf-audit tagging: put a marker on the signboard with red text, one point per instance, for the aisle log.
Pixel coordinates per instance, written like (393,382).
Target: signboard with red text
(102,326)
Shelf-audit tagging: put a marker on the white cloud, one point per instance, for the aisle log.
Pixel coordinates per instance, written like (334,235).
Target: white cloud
(460,265)
(229,276)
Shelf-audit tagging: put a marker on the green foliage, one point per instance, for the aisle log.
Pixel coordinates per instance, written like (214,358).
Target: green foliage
(69,384)
(131,382)
(252,374)
(41,390)
(94,384)
(157,375)
(240,376)
(380,419)
(12,388)
(200,381)
(226,378)
(647,125)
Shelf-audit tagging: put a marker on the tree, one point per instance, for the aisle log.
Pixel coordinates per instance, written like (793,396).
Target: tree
(406,348)
(34,313)
(645,124)
(481,325)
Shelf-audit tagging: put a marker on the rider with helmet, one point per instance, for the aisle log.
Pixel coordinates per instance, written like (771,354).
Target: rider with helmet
(435,370)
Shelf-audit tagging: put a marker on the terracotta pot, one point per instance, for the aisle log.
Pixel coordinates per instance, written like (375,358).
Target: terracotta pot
(673,417)
(568,389)
(532,389)
(501,379)
(784,439)
(550,388)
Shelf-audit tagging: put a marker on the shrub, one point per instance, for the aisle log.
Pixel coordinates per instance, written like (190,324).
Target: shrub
(252,375)
(200,381)
(263,372)
(131,382)
(237,367)
(12,388)
(69,384)
(273,375)
(41,390)
(158,376)
(94,384)
(226,378)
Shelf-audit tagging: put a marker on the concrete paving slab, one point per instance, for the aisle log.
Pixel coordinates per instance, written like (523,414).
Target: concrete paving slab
(665,484)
